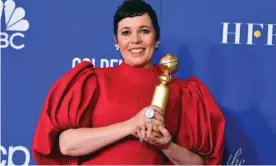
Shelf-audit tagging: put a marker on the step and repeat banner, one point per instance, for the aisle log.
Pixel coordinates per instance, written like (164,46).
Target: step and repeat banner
(229,45)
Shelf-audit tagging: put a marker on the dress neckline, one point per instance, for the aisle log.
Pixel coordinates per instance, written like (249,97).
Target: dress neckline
(140,74)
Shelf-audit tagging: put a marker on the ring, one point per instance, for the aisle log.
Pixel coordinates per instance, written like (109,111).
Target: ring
(149,113)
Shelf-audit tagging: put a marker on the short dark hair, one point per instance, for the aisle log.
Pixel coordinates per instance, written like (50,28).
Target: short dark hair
(132,8)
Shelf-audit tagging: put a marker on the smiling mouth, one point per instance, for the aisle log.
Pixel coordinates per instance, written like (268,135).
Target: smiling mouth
(137,50)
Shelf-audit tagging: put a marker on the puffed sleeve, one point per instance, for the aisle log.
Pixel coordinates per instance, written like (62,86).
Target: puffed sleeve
(202,123)
(68,104)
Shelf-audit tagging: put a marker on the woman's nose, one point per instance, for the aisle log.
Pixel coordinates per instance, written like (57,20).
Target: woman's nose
(135,38)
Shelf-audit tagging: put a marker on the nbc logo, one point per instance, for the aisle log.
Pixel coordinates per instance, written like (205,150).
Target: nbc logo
(15,24)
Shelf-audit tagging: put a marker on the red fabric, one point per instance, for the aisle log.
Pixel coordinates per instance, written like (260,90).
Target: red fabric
(88,97)
(68,105)
(202,125)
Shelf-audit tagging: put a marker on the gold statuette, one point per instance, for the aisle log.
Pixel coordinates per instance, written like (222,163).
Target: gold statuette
(169,65)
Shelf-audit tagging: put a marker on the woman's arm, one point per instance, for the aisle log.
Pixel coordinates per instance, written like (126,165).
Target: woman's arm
(82,141)
(181,156)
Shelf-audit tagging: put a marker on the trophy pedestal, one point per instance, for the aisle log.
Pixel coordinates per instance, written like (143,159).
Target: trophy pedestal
(168,65)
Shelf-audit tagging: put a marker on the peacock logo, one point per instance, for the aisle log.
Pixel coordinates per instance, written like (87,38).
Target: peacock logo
(15,24)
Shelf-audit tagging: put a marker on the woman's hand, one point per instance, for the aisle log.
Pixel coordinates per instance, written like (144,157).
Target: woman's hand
(162,142)
(139,121)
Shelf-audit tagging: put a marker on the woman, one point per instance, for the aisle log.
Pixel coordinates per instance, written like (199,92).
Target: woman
(97,115)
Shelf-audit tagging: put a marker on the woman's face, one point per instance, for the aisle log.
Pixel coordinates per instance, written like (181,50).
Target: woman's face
(136,40)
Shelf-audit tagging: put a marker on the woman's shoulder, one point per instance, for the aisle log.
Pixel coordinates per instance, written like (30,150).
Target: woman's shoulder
(192,85)
(80,75)
(189,82)
(83,69)
(87,71)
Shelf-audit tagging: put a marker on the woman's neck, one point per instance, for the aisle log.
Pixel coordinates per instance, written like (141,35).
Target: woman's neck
(147,65)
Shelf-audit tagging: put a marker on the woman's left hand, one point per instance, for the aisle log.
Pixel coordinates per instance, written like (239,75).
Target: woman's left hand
(162,142)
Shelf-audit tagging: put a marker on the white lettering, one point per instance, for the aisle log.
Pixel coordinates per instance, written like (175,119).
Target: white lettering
(115,62)
(75,62)
(4,152)
(12,40)
(225,33)
(250,32)
(104,63)
(270,34)
(234,160)
(5,40)
(12,151)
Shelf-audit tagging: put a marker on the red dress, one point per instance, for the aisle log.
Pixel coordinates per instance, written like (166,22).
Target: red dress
(96,97)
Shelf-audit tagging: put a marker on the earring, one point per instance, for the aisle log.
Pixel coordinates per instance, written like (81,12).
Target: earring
(116,46)
(157,44)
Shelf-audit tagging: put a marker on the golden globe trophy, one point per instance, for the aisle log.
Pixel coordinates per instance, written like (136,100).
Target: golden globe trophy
(168,65)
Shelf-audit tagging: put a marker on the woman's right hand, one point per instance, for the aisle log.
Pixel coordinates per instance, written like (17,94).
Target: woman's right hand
(139,121)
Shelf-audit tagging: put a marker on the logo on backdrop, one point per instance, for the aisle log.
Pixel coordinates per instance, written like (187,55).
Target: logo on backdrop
(236,158)
(7,155)
(15,25)
(248,33)
(98,63)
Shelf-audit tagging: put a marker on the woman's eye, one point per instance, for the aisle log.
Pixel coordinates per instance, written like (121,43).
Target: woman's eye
(125,33)
(145,31)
